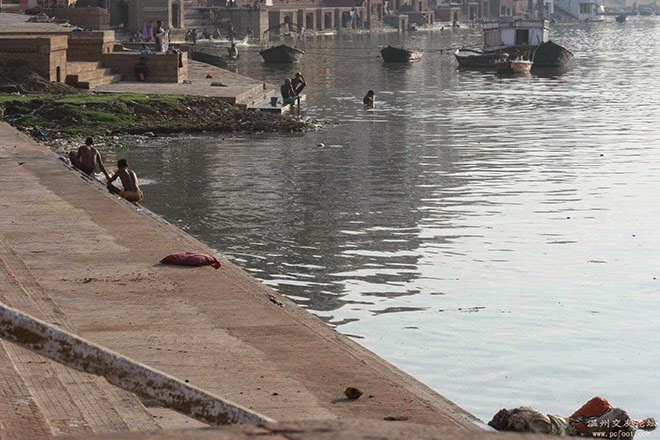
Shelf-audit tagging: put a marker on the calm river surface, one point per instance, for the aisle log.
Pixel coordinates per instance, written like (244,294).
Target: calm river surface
(496,238)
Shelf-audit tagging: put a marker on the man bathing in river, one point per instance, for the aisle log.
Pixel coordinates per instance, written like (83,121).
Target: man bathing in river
(298,83)
(131,189)
(87,158)
(368,99)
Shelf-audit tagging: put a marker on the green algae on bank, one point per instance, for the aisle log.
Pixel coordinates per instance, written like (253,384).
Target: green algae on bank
(131,113)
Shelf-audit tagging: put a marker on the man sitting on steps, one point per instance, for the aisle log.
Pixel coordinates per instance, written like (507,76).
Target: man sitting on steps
(288,95)
(87,158)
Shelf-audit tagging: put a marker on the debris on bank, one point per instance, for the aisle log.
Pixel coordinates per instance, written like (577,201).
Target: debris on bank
(63,116)
(17,77)
(34,104)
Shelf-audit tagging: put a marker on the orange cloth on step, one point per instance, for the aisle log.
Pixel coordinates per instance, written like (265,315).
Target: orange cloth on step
(596,407)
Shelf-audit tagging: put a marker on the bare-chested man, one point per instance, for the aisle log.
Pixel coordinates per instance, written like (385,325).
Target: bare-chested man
(131,188)
(86,159)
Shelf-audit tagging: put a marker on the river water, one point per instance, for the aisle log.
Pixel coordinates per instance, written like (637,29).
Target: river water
(497,238)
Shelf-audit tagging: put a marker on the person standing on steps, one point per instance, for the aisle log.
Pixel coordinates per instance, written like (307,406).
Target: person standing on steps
(162,37)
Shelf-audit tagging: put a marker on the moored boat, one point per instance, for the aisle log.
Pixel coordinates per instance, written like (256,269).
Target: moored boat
(475,58)
(207,58)
(551,54)
(519,38)
(621,18)
(392,54)
(283,53)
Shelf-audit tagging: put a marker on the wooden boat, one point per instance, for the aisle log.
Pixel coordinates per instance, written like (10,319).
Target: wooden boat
(475,58)
(519,38)
(213,60)
(513,66)
(283,53)
(551,54)
(395,55)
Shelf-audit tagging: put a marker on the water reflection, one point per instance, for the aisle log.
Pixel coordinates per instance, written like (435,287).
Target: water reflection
(551,72)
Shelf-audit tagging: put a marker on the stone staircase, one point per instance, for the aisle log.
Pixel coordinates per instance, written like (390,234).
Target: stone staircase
(88,74)
(41,399)
(254,96)
(194,18)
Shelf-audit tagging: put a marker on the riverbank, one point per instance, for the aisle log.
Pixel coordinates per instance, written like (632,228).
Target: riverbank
(211,100)
(76,256)
(56,116)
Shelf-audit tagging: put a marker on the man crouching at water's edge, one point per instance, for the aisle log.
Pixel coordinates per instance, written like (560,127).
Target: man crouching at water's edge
(131,189)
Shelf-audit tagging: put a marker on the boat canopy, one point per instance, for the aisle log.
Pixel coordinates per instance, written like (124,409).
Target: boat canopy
(515,33)
(286,30)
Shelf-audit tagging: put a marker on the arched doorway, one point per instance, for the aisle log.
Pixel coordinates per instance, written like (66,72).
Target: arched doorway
(176,15)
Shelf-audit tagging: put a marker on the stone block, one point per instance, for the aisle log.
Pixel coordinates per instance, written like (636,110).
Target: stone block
(163,68)
(45,55)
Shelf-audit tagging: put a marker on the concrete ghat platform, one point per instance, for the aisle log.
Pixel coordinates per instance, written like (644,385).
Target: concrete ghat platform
(75,256)
(322,430)
(269,105)
(236,89)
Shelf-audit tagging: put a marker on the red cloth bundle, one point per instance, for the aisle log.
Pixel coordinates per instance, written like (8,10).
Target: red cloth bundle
(191,259)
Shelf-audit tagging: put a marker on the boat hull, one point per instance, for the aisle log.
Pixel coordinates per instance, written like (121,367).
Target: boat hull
(472,58)
(548,54)
(395,55)
(281,54)
(203,57)
(551,54)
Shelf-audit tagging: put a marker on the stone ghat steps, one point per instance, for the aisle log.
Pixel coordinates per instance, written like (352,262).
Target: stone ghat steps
(88,75)
(194,16)
(196,20)
(41,399)
(93,83)
(253,95)
(74,68)
(273,104)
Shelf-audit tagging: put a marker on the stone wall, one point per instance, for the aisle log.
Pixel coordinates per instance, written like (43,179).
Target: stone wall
(86,18)
(321,19)
(170,12)
(448,13)
(242,19)
(46,55)
(399,21)
(163,68)
(420,18)
(89,46)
